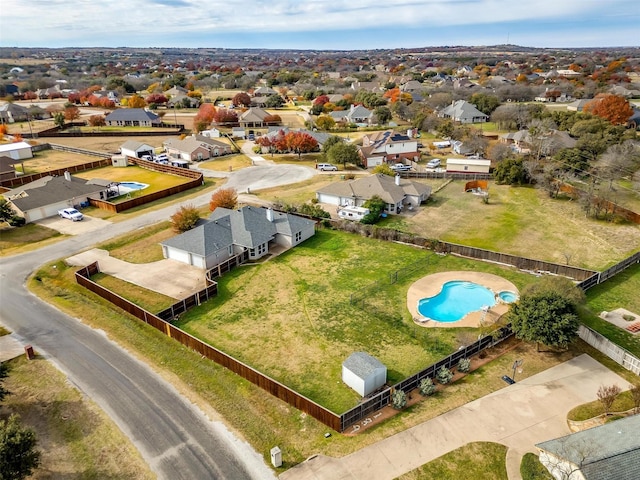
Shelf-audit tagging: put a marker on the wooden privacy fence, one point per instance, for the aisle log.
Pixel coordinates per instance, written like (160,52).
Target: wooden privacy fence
(272,386)
(197,180)
(24,179)
(184,305)
(382,399)
(610,349)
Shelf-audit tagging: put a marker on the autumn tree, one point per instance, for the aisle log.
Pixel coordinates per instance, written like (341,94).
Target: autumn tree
(224,116)
(325,122)
(204,117)
(225,198)
(71,113)
(185,218)
(614,108)
(136,101)
(241,98)
(97,120)
(157,98)
(384,169)
(272,120)
(299,142)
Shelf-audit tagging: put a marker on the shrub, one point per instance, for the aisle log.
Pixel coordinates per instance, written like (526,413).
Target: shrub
(532,469)
(444,375)
(185,218)
(427,387)
(17,221)
(399,399)
(225,198)
(464,365)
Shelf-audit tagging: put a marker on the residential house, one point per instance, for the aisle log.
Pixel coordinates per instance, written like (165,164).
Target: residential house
(17,150)
(397,192)
(195,148)
(412,86)
(7,168)
(253,117)
(12,112)
(546,144)
(264,92)
(51,92)
(388,147)
(460,148)
(374,87)
(356,114)
(468,165)
(463,112)
(133,117)
(109,94)
(136,149)
(634,120)
(227,233)
(578,105)
(43,198)
(182,100)
(606,452)
(176,90)
(320,137)
(364,373)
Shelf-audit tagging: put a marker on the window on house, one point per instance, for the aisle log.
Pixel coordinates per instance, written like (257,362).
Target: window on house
(298,236)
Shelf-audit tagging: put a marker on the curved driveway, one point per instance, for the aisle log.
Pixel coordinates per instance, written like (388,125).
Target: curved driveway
(173,436)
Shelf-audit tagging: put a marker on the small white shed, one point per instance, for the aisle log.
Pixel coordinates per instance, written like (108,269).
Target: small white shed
(16,150)
(363,373)
(468,165)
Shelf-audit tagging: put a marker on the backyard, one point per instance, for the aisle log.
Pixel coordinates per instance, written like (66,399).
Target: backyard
(305,320)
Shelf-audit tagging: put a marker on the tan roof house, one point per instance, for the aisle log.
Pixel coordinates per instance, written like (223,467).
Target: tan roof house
(195,148)
(397,192)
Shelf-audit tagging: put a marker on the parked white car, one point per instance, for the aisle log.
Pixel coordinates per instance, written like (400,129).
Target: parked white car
(71,214)
(433,163)
(327,167)
(400,167)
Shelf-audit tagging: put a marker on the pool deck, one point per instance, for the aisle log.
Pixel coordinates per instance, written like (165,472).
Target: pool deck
(432,285)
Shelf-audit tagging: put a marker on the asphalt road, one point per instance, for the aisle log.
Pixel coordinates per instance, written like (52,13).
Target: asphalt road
(173,436)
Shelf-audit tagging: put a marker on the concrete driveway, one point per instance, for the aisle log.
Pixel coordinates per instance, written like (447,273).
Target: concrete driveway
(68,227)
(169,277)
(518,416)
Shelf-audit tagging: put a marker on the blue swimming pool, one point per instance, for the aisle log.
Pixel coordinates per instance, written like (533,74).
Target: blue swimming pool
(133,185)
(455,300)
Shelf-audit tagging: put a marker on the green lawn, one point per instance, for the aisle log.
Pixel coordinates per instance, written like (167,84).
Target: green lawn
(305,322)
(589,410)
(620,291)
(151,301)
(14,240)
(478,460)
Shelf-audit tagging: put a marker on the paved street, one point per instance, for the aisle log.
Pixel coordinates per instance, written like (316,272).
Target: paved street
(173,435)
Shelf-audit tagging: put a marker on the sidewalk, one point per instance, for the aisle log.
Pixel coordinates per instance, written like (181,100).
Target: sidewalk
(10,347)
(518,416)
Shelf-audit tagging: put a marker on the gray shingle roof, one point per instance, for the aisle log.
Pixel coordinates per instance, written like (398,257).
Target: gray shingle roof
(612,450)
(362,364)
(247,227)
(48,190)
(382,185)
(462,110)
(132,114)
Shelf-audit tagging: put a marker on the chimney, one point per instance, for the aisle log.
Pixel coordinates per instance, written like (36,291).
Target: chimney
(67,176)
(270,214)
(397,179)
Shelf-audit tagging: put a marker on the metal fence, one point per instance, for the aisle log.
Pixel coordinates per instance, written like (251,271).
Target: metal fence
(610,349)
(382,399)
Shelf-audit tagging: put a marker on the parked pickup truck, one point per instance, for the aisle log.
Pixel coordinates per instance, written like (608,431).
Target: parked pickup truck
(71,214)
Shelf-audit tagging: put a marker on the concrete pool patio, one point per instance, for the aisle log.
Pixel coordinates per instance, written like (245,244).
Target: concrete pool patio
(432,285)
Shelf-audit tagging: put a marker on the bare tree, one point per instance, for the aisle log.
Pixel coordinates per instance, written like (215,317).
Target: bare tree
(568,458)
(607,394)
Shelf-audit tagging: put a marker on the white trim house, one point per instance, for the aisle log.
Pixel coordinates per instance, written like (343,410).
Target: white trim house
(231,232)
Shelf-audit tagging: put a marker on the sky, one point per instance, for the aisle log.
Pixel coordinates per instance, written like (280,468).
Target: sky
(319,24)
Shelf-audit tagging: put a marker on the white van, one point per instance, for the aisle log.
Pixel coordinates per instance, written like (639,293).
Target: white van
(353,213)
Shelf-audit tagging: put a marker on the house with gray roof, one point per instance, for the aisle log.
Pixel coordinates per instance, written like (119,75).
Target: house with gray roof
(609,451)
(253,117)
(398,193)
(16,150)
(364,373)
(132,117)
(356,114)
(12,112)
(227,233)
(463,112)
(43,198)
(134,148)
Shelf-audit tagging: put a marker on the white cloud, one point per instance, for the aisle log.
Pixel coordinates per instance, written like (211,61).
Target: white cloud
(118,22)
